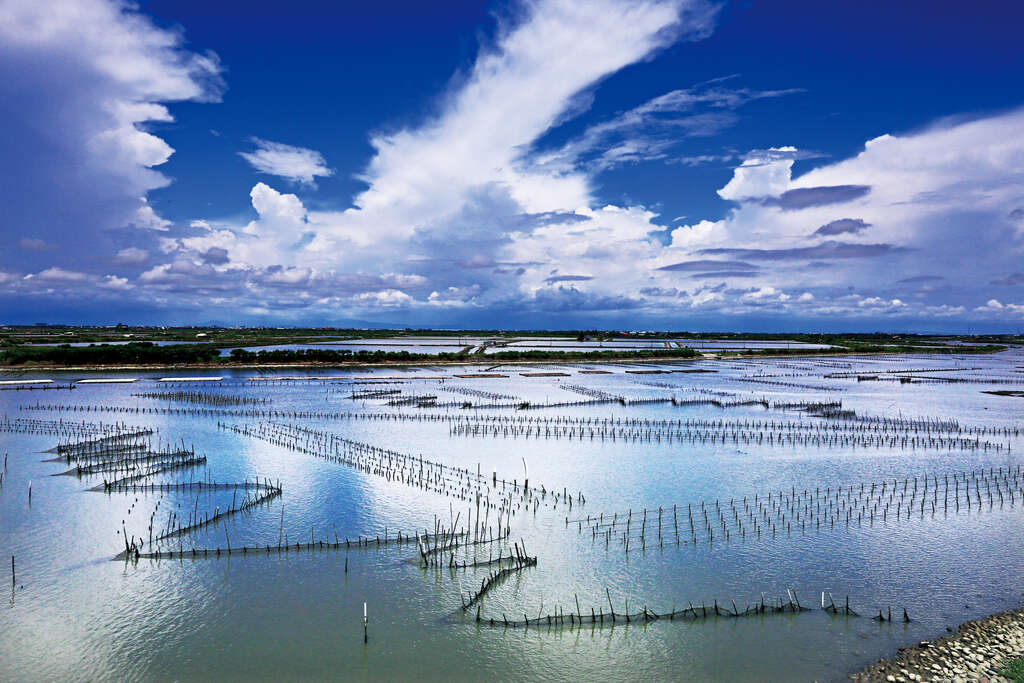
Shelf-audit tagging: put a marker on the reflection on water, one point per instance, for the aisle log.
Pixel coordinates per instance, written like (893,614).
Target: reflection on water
(74,613)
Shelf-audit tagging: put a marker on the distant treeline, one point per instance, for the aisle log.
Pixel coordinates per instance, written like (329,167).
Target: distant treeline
(109,354)
(146,353)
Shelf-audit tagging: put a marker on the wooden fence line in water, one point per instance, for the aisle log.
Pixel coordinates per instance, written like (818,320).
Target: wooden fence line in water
(63,428)
(135,550)
(202,397)
(770,438)
(808,509)
(415,471)
(520,562)
(196,522)
(841,421)
(124,483)
(598,617)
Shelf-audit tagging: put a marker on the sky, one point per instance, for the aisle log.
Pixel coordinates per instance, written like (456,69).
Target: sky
(541,164)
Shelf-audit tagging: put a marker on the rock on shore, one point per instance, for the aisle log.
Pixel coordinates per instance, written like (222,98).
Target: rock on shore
(975,652)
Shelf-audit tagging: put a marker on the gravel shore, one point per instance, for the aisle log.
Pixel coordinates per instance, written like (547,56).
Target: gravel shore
(975,652)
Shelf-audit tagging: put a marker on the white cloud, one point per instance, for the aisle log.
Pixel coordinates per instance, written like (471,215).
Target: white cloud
(274,208)
(702,233)
(938,200)
(498,252)
(461,211)
(760,175)
(388,298)
(297,164)
(145,217)
(878,302)
(767,293)
(991,306)
(90,78)
(454,296)
(131,255)
(56,274)
(289,276)
(648,131)
(514,93)
(455,195)
(115,283)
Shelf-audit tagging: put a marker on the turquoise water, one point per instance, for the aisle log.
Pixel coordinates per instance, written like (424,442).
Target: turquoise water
(75,613)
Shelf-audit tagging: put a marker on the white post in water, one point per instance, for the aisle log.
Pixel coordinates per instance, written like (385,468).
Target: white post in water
(365,622)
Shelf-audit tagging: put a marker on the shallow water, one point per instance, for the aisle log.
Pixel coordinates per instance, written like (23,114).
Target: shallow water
(76,614)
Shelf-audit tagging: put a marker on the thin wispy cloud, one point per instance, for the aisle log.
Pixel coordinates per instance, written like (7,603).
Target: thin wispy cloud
(647,132)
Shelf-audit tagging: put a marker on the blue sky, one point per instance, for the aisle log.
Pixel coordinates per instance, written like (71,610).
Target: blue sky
(649,164)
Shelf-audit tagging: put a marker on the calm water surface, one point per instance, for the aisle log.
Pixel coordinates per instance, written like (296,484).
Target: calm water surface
(77,614)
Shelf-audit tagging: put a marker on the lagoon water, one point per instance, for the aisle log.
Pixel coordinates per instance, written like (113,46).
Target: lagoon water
(75,613)
(451,345)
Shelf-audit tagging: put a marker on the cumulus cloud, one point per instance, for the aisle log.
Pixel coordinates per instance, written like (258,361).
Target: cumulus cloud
(90,78)
(762,174)
(297,164)
(388,298)
(939,199)
(145,217)
(112,282)
(995,307)
(454,296)
(765,294)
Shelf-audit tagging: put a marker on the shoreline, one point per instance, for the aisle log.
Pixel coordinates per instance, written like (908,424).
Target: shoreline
(323,366)
(977,650)
(456,363)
